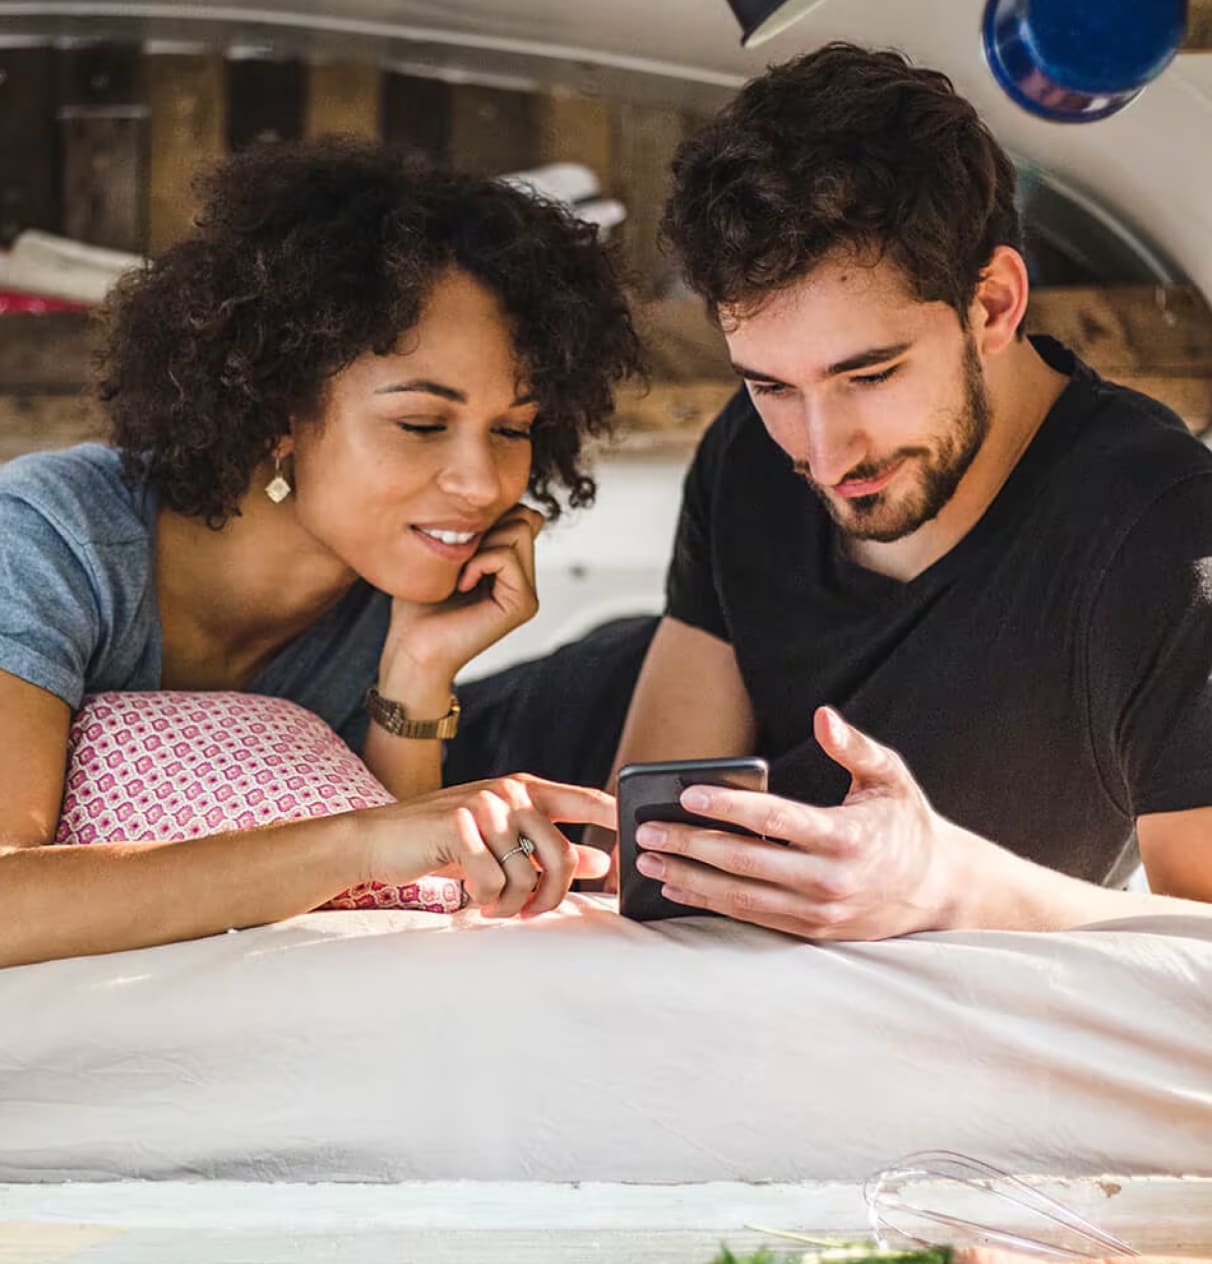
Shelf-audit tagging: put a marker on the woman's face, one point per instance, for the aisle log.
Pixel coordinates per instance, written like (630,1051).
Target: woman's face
(417,453)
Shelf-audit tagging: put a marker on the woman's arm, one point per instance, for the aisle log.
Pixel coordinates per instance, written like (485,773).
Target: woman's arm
(58,901)
(428,645)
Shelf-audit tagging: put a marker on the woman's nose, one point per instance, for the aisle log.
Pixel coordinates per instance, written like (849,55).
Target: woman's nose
(472,475)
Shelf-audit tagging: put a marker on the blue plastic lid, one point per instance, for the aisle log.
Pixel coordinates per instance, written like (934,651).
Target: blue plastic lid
(1079,60)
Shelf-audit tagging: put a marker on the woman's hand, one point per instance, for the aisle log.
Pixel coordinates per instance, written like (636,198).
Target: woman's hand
(473,832)
(494,595)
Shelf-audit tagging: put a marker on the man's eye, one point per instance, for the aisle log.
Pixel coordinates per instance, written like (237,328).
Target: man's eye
(767,388)
(874,379)
(417,427)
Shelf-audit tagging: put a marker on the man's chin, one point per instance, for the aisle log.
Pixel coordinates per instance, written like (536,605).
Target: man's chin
(870,518)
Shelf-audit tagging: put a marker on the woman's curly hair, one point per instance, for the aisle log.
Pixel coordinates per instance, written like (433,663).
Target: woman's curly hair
(843,148)
(307,255)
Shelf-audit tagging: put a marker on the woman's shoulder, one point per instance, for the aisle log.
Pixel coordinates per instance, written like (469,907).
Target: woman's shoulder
(81,492)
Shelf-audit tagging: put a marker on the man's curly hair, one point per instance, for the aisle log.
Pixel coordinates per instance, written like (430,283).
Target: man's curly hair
(306,256)
(841,149)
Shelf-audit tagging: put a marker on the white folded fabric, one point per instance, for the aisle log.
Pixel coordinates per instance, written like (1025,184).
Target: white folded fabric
(579,1046)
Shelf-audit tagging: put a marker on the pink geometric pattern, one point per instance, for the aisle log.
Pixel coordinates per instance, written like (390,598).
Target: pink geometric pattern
(172,765)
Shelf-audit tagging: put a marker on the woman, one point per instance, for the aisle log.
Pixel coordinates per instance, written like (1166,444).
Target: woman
(326,406)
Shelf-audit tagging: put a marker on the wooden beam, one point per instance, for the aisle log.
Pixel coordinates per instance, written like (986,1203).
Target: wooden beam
(38,423)
(642,147)
(577,129)
(188,99)
(30,187)
(493,131)
(1135,329)
(1199,27)
(343,98)
(46,353)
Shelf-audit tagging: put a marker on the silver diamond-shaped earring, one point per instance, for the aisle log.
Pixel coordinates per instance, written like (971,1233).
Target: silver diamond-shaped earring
(278,487)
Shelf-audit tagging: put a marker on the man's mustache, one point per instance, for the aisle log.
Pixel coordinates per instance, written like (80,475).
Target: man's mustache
(865,471)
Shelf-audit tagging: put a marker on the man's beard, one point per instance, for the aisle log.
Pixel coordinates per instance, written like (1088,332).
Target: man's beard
(942,468)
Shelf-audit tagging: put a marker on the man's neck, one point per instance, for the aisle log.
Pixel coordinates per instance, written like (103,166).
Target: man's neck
(1022,389)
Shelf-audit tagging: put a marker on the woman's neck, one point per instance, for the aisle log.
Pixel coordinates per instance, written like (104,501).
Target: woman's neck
(231,599)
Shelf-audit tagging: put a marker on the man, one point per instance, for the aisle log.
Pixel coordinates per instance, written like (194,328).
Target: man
(955,587)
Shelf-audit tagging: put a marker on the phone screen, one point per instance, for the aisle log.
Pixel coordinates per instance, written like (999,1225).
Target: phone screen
(652,792)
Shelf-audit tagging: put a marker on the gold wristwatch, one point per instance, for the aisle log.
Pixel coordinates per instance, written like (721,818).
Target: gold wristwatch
(392,717)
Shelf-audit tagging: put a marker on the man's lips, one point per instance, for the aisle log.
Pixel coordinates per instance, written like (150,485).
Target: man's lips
(854,488)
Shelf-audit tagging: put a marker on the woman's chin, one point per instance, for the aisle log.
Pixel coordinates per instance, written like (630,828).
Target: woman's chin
(427,589)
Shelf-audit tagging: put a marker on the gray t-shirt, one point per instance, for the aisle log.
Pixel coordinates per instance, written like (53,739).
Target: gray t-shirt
(78,609)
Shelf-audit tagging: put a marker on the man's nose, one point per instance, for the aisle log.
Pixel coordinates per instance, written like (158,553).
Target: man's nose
(826,442)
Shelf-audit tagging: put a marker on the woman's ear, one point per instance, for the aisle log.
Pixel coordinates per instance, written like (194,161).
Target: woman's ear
(286,444)
(1001,301)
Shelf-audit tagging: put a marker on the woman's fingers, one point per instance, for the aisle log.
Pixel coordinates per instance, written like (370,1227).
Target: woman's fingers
(478,867)
(512,537)
(552,866)
(476,835)
(559,801)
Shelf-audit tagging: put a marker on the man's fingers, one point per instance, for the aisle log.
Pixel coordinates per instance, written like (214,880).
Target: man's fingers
(862,756)
(813,874)
(699,886)
(800,824)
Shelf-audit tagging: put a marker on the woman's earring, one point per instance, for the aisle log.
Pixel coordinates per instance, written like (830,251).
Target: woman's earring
(278,487)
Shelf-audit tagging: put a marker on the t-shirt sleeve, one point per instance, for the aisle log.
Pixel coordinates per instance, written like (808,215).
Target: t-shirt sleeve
(49,623)
(1150,657)
(691,595)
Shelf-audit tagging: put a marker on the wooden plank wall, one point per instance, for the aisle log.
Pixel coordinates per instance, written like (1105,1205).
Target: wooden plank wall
(101,142)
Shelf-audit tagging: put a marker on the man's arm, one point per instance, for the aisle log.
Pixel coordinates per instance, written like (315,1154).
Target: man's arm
(884,863)
(1176,848)
(689,703)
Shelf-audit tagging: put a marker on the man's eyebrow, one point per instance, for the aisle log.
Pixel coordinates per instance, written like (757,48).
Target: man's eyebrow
(862,360)
(423,387)
(865,359)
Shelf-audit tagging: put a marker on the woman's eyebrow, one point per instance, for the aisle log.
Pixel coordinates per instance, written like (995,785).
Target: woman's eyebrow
(424,387)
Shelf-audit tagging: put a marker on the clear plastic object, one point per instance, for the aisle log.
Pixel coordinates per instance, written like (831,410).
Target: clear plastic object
(939,1198)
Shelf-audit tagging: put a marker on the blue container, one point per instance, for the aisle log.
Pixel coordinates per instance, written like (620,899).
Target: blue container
(1075,61)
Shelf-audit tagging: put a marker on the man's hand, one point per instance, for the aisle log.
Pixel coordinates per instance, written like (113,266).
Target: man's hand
(883,863)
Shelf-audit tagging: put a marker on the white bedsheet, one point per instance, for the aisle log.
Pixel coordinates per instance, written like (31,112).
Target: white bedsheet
(402,1046)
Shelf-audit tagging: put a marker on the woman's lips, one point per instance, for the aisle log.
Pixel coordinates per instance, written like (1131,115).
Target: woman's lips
(451,552)
(853,488)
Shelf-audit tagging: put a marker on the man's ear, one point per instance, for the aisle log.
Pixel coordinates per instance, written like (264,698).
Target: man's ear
(1001,301)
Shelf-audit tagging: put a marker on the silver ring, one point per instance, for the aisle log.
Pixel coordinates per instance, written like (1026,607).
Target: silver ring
(525,847)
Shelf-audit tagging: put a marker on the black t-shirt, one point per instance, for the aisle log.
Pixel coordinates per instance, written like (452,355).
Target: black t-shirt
(1047,681)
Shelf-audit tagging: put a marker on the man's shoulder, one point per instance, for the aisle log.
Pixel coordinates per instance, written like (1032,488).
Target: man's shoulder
(736,429)
(1132,448)
(80,492)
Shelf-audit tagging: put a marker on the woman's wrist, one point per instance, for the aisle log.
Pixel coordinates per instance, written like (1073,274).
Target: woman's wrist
(423,692)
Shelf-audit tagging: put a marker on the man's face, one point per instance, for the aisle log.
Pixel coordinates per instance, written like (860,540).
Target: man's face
(878,398)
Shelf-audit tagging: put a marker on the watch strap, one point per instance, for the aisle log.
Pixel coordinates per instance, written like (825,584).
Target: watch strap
(391,715)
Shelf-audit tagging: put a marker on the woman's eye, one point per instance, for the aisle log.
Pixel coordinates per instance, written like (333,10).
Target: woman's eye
(510,432)
(874,379)
(767,388)
(419,427)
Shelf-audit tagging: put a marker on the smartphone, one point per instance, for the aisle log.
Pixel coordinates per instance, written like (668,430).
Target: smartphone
(652,792)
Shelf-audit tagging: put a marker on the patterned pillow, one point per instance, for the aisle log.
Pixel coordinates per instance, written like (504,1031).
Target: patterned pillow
(172,765)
